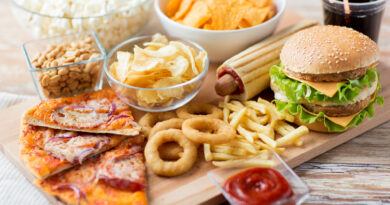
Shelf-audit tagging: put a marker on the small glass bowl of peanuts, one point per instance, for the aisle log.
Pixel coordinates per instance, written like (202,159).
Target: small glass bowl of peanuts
(65,65)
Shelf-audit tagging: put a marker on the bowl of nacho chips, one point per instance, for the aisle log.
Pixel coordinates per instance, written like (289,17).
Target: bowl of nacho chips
(156,73)
(222,27)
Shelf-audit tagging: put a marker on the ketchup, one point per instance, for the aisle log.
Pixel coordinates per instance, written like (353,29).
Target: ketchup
(258,186)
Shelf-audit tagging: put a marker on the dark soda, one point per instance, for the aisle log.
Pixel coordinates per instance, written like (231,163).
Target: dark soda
(365,15)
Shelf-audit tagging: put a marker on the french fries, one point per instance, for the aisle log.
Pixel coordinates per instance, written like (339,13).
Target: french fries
(260,129)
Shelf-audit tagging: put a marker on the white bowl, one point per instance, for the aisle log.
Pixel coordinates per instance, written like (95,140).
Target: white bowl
(220,45)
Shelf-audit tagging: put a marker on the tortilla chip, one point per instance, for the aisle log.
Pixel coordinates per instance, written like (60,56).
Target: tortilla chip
(255,16)
(173,7)
(183,9)
(198,15)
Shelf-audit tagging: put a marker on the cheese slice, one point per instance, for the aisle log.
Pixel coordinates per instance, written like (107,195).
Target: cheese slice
(343,121)
(327,88)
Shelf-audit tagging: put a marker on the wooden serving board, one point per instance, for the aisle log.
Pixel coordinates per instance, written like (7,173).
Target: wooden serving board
(194,187)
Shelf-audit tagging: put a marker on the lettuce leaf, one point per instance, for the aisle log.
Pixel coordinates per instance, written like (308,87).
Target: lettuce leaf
(296,91)
(333,127)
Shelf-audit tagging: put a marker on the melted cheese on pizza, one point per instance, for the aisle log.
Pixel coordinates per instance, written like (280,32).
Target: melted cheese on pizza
(75,148)
(46,151)
(101,111)
(124,170)
(86,186)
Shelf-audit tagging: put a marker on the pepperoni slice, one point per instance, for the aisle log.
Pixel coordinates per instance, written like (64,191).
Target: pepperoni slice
(125,172)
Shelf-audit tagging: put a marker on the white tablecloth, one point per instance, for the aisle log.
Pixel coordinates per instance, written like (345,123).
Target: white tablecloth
(14,188)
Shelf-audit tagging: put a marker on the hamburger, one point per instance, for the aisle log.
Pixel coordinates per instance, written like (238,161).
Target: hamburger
(327,78)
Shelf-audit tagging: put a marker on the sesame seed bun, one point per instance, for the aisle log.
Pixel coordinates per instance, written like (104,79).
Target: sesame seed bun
(329,53)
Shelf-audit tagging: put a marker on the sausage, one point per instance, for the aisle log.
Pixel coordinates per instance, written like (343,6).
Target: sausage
(226,85)
(246,74)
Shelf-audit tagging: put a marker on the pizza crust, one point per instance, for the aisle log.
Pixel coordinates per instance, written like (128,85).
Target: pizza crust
(126,132)
(97,191)
(37,165)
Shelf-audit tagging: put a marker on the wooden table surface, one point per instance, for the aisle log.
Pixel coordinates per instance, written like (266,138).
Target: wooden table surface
(357,172)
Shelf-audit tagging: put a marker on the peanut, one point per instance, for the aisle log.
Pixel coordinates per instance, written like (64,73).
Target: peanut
(75,69)
(70,80)
(45,80)
(63,71)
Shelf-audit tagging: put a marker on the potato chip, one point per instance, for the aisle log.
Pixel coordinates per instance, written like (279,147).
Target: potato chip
(183,9)
(124,60)
(160,64)
(188,53)
(177,66)
(153,46)
(112,71)
(158,38)
(165,51)
(168,103)
(148,97)
(146,79)
(171,92)
(143,62)
(198,15)
(200,61)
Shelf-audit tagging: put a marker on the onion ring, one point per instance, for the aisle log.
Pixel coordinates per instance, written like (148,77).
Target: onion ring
(150,119)
(169,150)
(170,168)
(197,110)
(174,123)
(208,130)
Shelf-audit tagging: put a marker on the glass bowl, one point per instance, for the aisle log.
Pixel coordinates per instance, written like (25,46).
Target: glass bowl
(67,79)
(129,93)
(114,22)
(300,189)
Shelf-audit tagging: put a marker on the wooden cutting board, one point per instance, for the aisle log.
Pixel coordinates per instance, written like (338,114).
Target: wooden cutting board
(194,187)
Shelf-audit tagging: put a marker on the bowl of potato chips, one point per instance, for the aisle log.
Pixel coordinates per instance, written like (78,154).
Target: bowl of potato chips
(156,74)
(222,27)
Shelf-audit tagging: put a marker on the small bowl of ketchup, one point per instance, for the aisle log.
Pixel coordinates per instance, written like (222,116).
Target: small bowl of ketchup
(277,185)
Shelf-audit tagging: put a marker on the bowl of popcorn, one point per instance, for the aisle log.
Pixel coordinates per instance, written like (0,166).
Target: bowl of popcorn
(113,21)
(156,73)
(222,27)
(65,65)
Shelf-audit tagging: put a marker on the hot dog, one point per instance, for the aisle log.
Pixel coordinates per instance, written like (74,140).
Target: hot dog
(247,74)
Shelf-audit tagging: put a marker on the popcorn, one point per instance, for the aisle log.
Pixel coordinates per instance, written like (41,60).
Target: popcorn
(114,21)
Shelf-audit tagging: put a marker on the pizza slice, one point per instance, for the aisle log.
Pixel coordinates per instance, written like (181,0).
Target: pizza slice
(116,177)
(47,151)
(96,112)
